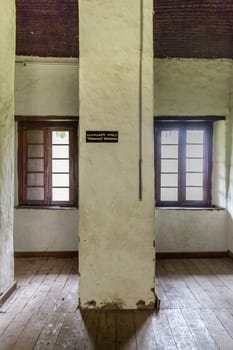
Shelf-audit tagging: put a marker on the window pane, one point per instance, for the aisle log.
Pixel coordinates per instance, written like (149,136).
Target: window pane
(35,151)
(169,137)
(35,179)
(169,180)
(168,194)
(35,164)
(169,151)
(60,180)
(194,151)
(169,165)
(194,193)
(195,136)
(60,194)
(35,193)
(194,179)
(60,166)
(194,165)
(60,137)
(60,151)
(35,136)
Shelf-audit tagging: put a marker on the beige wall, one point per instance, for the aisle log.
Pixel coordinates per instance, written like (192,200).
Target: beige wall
(229,166)
(191,87)
(45,87)
(46,230)
(7,52)
(182,87)
(191,230)
(116,230)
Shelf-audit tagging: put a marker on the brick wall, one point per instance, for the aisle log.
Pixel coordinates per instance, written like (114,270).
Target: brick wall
(47,28)
(193,28)
(183,28)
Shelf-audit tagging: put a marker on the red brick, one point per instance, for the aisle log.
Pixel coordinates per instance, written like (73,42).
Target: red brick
(193,28)
(47,28)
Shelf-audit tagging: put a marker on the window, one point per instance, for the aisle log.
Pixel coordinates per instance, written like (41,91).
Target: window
(183,156)
(47,163)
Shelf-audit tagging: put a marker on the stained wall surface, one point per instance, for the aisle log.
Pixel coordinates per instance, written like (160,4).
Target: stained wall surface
(195,87)
(191,230)
(45,87)
(7,60)
(182,87)
(229,167)
(116,229)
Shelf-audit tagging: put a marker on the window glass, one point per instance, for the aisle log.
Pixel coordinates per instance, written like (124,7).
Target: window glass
(169,194)
(60,137)
(183,163)
(47,156)
(60,194)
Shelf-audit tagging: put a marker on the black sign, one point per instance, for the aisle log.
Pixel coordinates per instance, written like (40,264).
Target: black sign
(101,136)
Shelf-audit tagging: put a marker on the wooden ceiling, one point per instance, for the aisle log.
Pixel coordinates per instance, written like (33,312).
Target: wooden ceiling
(182,28)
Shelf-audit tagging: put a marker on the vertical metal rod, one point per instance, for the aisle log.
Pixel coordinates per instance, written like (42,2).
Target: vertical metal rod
(140,99)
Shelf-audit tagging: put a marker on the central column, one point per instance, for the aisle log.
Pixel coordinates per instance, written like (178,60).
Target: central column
(116,185)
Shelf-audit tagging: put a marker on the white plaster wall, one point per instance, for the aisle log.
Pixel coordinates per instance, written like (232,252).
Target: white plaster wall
(7,53)
(46,230)
(191,87)
(182,87)
(116,230)
(229,168)
(219,165)
(195,87)
(45,87)
(191,230)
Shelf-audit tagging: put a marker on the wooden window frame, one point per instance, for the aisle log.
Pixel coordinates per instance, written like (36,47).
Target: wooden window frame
(207,126)
(47,127)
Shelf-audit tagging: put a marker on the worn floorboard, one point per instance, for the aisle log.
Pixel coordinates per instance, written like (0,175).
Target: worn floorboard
(196,310)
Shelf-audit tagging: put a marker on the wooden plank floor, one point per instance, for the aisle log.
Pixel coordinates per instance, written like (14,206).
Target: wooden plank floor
(196,310)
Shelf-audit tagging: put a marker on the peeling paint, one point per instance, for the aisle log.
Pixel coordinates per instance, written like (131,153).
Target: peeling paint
(91,303)
(141,304)
(113,304)
(116,229)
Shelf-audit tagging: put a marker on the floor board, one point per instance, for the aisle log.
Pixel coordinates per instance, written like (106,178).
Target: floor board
(196,310)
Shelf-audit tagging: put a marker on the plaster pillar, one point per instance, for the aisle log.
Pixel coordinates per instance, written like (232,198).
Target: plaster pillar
(116,228)
(7,62)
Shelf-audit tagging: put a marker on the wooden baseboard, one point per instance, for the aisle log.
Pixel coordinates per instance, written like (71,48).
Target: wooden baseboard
(49,254)
(193,255)
(8,293)
(162,255)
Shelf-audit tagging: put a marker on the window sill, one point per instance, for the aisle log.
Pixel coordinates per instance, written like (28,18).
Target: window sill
(36,207)
(191,208)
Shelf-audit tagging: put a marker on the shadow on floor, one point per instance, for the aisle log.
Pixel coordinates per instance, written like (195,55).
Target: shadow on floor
(118,329)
